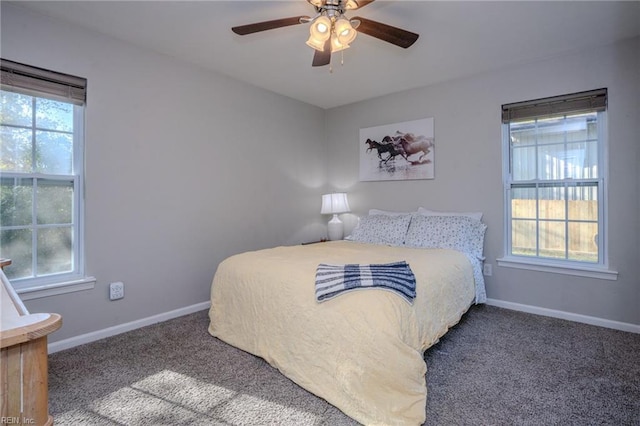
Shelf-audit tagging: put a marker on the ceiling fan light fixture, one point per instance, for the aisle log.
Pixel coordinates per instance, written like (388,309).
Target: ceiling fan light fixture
(336,45)
(320,28)
(319,32)
(315,43)
(344,31)
(350,4)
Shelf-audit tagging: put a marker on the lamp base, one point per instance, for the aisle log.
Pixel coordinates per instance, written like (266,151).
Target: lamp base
(335,228)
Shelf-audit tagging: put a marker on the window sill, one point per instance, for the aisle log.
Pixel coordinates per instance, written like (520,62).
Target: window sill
(53,289)
(597,272)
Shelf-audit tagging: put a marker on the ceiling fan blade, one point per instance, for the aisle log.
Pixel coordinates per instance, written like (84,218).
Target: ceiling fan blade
(393,35)
(323,58)
(357,4)
(268,25)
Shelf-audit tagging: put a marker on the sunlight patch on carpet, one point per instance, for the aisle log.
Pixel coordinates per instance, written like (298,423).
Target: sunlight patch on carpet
(168,397)
(247,409)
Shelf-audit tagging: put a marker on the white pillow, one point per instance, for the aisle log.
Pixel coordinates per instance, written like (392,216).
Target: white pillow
(374,212)
(426,212)
(460,233)
(381,229)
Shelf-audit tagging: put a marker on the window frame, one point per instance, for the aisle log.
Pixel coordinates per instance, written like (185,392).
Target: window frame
(74,280)
(600,269)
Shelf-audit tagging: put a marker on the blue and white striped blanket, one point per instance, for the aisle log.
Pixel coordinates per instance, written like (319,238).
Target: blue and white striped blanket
(333,280)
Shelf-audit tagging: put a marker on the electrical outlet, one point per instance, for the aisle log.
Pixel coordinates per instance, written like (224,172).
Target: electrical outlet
(487,270)
(116,291)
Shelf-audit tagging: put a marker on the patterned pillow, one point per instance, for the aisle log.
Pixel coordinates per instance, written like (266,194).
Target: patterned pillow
(426,212)
(389,213)
(453,232)
(381,229)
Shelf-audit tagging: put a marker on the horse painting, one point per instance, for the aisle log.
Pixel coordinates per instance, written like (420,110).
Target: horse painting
(412,145)
(382,148)
(404,151)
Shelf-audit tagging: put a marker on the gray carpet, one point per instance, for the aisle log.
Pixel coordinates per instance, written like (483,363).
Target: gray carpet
(497,367)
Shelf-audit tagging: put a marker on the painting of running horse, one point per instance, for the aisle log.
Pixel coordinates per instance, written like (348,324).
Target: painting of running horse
(399,151)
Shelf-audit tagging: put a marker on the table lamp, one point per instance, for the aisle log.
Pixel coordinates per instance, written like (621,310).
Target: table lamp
(335,204)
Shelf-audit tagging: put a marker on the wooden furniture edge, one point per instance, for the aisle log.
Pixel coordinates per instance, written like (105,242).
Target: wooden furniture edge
(23,365)
(45,324)
(17,325)
(4,262)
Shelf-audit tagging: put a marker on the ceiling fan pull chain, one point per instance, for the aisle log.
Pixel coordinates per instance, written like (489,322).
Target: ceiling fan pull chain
(342,57)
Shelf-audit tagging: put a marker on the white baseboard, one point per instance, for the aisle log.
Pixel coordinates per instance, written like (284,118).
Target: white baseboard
(617,325)
(122,328)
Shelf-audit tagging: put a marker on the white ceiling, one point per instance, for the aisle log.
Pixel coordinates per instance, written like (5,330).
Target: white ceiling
(457,39)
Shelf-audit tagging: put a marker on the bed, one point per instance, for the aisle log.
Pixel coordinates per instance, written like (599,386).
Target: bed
(362,351)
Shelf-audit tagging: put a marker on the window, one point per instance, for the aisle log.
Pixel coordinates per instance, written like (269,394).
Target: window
(554,175)
(41,180)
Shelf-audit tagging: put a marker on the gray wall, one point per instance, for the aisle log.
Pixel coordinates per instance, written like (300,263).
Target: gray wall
(468,168)
(183,168)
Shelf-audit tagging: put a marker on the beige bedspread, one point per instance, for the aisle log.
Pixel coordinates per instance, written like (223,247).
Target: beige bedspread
(361,351)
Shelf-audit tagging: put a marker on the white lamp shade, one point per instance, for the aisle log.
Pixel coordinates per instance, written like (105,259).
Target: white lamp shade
(335,44)
(319,32)
(315,43)
(344,31)
(320,29)
(335,203)
(351,4)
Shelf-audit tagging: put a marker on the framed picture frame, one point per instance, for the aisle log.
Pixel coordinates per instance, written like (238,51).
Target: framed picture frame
(398,151)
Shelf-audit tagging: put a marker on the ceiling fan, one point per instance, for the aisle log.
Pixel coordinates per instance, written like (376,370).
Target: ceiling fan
(331,31)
